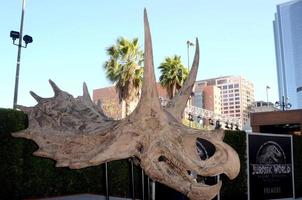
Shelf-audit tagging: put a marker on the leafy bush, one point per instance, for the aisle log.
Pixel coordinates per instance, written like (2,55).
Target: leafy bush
(25,176)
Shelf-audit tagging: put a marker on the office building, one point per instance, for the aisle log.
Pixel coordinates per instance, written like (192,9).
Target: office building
(288,47)
(237,95)
(207,97)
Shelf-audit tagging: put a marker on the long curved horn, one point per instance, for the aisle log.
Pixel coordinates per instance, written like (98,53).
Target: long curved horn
(179,102)
(149,98)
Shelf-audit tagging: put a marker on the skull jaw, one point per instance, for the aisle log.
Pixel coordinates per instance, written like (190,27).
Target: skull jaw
(199,192)
(171,176)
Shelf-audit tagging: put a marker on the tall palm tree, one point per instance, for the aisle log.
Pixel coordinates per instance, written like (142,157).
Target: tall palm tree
(173,74)
(123,68)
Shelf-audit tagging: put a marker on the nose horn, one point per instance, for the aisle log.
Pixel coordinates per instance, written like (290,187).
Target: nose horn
(232,166)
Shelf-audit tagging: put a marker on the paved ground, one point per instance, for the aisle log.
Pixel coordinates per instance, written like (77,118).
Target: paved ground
(83,197)
(92,197)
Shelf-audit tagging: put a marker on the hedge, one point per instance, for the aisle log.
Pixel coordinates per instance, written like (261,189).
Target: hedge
(298,164)
(237,188)
(23,176)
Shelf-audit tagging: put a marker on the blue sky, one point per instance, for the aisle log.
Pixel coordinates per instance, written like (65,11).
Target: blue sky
(70,37)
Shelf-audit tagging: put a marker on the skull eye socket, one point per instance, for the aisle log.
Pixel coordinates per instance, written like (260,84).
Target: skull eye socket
(162,158)
(205,149)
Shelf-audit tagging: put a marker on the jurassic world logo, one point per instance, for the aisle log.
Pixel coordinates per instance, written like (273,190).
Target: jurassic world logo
(270,160)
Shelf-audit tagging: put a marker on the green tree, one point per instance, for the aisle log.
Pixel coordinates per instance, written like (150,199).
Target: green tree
(124,69)
(173,75)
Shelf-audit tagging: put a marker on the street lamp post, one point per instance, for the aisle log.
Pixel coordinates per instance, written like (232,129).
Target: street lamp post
(284,105)
(267,88)
(188,52)
(27,39)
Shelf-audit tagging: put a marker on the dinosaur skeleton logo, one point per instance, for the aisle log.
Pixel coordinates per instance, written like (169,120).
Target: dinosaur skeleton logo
(271,159)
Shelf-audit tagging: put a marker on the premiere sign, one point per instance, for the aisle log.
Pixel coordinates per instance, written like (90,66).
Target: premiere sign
(270,166)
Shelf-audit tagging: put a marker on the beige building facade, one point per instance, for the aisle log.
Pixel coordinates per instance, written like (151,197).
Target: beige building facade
(207,97)
(237,95)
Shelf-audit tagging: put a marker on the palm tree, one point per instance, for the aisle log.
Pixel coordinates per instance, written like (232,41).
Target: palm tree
(123,68)
(173,75)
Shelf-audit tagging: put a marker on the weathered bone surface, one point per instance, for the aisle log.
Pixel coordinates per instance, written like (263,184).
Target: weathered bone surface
(77,134)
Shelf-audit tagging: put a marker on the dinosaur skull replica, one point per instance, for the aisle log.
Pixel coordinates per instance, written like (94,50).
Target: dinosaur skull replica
(77,134)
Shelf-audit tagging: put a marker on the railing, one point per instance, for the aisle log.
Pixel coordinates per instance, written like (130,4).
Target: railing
(207,114)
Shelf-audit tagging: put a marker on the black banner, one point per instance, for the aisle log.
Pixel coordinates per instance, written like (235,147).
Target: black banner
(270,166)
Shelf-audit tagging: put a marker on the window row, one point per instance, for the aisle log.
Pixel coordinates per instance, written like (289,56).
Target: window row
(230,86)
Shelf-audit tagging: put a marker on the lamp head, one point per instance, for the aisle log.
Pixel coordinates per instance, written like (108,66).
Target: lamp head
(277,104)
(189,43)
(227,125)
(14,35)
(218,125)
(199,118)
(27,39)
(289,105)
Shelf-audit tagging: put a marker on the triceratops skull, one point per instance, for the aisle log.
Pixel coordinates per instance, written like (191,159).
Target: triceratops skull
(77,134)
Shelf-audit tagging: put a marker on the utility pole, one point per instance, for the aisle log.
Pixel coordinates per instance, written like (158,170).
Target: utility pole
(19,56)
(190,98)
(27,39)
(188,52)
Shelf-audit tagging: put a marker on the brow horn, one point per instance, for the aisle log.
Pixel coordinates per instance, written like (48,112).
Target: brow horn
(149,98)
(179,102)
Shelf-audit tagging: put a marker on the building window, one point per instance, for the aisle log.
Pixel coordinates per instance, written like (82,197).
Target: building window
(231,86)
(198,100)
(236,85)
(202,84)
(224,87)
(219,82)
